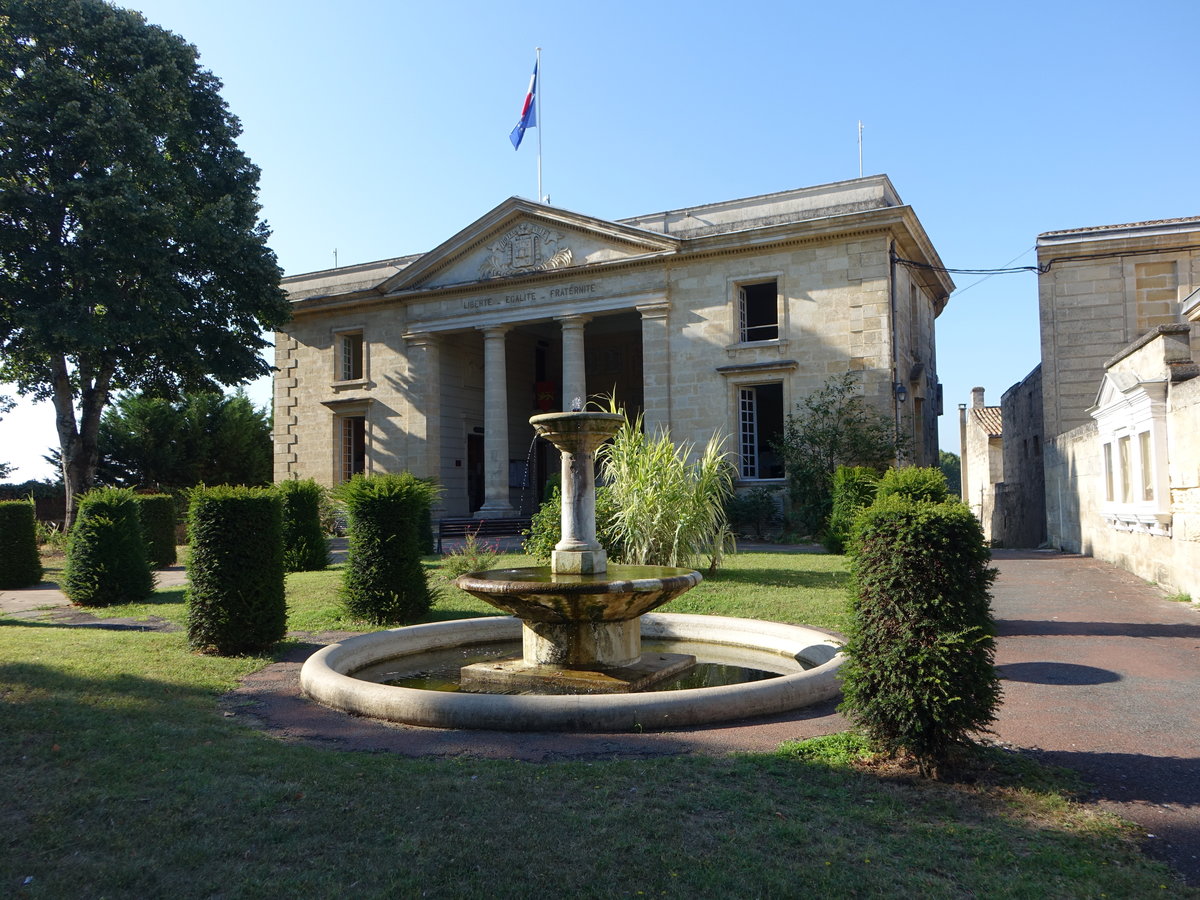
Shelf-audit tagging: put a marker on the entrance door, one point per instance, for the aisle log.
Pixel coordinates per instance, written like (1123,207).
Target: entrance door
(474,472)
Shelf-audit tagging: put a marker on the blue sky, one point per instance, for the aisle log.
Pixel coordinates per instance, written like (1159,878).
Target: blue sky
(381,128)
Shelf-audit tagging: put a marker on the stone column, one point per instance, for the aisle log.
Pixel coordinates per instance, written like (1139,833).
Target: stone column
(423,393)
(656,366)
(495,425)
(574,384)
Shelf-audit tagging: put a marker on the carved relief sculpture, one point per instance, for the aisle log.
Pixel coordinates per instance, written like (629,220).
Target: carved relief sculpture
(526,248)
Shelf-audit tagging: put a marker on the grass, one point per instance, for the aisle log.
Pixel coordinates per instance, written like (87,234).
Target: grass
(121,778)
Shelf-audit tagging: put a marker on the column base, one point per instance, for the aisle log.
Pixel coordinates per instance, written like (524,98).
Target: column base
(495,511)
(578,562)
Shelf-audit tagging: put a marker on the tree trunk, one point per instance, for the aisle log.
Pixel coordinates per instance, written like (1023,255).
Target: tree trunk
(77,443)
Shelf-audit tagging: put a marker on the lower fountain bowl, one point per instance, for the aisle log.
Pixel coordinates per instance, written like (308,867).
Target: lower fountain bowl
(327,677)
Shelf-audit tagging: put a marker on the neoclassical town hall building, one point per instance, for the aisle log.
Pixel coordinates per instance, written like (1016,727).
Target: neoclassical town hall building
(715,318)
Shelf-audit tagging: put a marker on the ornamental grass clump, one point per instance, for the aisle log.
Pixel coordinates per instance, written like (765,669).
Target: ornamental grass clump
(920,676)
(305,547)
(235,595)
(106,553)
(669,502)
(158,528)
(384,581)
(20,565)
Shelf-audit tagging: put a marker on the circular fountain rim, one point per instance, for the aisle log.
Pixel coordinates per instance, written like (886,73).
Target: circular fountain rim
(326,678)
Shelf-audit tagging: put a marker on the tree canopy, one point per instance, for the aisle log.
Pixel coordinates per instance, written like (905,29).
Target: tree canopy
(131,252)
(204,438)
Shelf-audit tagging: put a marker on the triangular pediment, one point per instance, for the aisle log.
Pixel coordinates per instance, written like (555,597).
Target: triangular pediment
(520,238)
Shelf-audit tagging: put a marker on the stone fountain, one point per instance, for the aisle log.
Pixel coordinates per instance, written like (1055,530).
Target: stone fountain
(580,622)
(580,617)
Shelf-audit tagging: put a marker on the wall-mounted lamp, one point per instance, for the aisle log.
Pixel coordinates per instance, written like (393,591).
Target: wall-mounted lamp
(900,390)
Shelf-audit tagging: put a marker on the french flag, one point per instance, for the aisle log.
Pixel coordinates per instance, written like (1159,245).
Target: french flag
(528,113)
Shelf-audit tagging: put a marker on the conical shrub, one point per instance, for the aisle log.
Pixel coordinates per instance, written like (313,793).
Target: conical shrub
(106,554)
(235,596)
(305,547)
(20,565)
(385,582)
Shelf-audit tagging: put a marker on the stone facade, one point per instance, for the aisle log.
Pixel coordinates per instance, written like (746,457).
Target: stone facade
(1021,497)
(980,431)
(1100,289)
(1120,320)
(710,319)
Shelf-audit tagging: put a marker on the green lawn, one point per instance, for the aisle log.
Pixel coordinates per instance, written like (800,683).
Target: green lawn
(121,778)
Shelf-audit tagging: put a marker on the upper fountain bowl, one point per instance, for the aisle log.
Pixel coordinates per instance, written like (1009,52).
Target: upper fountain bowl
(577,432)
(540,595)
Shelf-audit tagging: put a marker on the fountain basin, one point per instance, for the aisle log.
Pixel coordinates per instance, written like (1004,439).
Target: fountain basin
(327,678)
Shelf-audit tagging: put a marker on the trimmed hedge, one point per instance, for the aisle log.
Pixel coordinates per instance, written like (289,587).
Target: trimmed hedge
(922,485)
(106,553)
(20,565)
(235,595)
(920,675)
(158,528)
(384,582)
(305,547)
(853,491)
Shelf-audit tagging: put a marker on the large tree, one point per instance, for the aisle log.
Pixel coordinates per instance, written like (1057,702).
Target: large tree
(131,252)
(203,438)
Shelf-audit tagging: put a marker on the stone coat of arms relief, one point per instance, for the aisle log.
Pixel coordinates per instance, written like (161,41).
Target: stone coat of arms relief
(526,248)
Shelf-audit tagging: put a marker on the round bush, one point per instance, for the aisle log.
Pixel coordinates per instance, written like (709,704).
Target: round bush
(384,581)
(920,675)
(235,596)
(923,485)
(158,528)
(305,547)
(106,554)
(20,565)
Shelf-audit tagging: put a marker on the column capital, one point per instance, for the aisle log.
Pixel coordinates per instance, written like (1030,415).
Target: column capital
(421,338)
(659,309)
(579,319)
(494,331)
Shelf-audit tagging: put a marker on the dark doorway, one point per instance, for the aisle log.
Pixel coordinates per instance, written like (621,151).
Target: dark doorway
(474,472)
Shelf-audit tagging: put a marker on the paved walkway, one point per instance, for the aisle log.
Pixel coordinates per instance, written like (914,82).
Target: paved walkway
(1100,674)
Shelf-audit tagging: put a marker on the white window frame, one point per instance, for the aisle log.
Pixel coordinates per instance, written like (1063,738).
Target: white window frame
(1131,428)
(736,287)
(341,337)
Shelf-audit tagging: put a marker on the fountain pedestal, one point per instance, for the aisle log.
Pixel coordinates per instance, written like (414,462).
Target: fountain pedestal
(580,617)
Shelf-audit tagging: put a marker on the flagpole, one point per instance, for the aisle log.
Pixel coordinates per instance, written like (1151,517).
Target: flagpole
(538,100)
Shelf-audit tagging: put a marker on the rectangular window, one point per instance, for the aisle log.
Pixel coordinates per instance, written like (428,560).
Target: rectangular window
(1147,466)
(1126,470)
(758,311)
(353,445)
(350,362)
(1108,473)
(760,427)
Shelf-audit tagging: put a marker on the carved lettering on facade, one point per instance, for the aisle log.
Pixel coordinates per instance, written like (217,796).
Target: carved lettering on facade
(516,298)
(526,248)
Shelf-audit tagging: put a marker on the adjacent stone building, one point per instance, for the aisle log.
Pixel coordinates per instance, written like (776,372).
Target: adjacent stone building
(1120,321)
(982,462)
(715,318)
